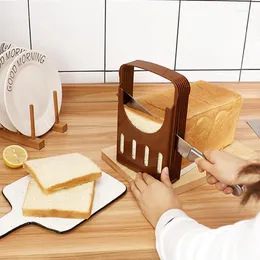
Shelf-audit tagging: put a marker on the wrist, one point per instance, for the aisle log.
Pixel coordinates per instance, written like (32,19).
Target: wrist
(167,217)
(162,211)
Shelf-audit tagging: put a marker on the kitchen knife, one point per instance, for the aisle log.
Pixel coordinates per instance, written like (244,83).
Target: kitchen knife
(191,154)
(131,102)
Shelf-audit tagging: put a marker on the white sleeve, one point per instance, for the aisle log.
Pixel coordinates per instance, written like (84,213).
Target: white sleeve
(179,237)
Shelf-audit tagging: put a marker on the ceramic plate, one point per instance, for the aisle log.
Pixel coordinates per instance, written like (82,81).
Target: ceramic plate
(6,59)
(107,190)
(31,79)
(4,46)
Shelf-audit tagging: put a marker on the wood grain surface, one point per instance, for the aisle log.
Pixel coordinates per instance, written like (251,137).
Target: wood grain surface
(119,231)
(190,180)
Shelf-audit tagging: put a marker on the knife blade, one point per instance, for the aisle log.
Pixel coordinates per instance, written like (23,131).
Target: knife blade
(191,154)
(133,103)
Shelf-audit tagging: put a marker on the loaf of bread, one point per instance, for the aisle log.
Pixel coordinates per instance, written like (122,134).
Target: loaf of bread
(62,171)
(212,117)
(75,202)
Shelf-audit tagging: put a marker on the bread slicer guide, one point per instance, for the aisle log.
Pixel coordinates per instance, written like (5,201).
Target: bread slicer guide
(153,151)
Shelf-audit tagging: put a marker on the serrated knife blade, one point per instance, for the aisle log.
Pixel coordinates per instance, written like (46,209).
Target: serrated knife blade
(133,103)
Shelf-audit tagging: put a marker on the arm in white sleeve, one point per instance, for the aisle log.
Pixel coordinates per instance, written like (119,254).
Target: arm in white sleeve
(179,237)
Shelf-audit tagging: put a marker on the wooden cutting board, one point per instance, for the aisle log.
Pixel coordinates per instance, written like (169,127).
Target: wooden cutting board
(188,181)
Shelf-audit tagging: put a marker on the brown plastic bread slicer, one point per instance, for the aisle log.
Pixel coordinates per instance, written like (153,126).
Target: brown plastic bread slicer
(153,151)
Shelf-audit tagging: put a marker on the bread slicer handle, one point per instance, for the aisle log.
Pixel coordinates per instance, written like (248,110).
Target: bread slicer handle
(9,222)
(238,189)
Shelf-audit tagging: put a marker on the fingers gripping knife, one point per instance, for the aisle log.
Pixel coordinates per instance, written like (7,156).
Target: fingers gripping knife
(153,150)
(192,154)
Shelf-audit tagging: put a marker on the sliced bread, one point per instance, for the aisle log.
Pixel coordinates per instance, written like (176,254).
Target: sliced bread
(62,171)
(74,202)
(142,121)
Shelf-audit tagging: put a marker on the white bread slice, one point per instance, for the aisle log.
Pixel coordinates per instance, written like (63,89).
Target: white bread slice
(142,121)
(74,202)
(62,171)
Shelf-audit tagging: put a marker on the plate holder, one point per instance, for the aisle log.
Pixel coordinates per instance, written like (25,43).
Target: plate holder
(33,141)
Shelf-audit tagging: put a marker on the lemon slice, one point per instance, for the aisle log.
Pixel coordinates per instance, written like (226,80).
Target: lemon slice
(14,156)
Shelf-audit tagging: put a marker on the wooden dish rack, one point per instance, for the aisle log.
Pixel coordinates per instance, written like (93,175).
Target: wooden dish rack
(33,141)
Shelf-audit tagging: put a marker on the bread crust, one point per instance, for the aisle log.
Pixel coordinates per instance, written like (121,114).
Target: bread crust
(64,185)
(53,213)
(156,103)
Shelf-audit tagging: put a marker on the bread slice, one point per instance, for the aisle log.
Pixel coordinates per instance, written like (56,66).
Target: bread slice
(74,202)
(62,171)
(144,122)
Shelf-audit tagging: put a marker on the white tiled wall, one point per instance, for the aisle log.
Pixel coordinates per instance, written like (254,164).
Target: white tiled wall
(252,49)
(14,24)
(72,32)
(211,35)
(90,39)
(143,30)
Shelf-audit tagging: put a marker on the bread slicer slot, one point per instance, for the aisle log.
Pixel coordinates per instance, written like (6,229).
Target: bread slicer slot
(122,141)
(146,156)
(159,162)
(133,149)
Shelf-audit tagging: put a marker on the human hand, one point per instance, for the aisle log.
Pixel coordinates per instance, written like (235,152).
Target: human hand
(222,169)
(154,197)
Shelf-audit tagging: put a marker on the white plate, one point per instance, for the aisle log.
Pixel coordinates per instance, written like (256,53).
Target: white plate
(4,46)
(107,190)
(31,79)
(6,59)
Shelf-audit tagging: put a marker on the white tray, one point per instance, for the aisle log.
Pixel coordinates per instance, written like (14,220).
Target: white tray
(107,189)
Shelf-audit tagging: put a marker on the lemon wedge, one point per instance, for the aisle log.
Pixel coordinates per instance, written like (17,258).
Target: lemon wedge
(14,156)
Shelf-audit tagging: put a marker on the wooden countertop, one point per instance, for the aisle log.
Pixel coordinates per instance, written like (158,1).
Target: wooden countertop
(119,231)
